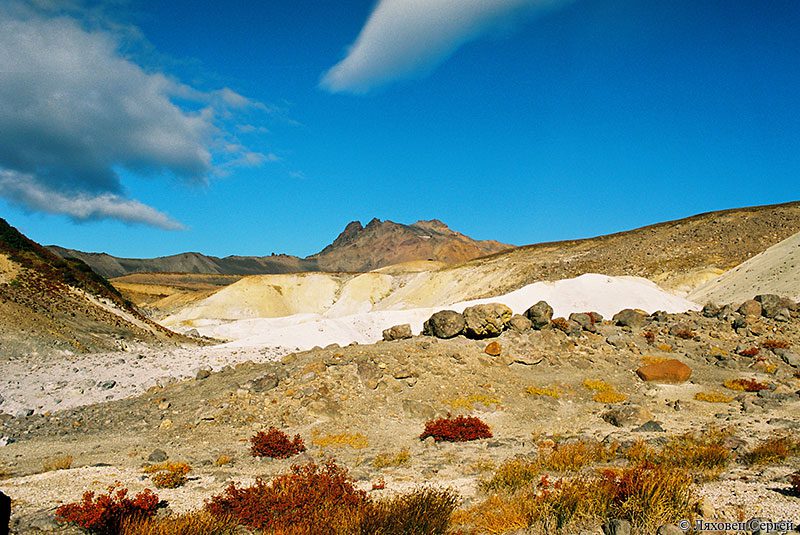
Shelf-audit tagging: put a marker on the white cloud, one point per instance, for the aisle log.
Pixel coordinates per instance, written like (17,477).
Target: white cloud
(31,194)
(73,109)
(405,38)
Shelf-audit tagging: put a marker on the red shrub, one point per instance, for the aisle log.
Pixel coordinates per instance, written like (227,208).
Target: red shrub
(459,429)
(775,344)
(103,514)
(276,444)
(749,352)
(310,499)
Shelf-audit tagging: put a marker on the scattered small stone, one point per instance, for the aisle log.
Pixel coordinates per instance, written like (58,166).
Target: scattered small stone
(493,349)
(158,456)
(107,385)
(617,527)
(203,374)
(649,427)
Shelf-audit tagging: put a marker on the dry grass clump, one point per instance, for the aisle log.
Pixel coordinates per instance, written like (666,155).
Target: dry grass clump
(773,450)
(644,495)
(775,344)
(469,402)
(570,457)
(604,392)
(647,360)
(386,460)
(745,385)
(168,475)
(513,475)
(340,440)
(424,511)
(549,391)
(696,452)
(498,514)
(191,523)
(223,460)
(57,463)
(713,397)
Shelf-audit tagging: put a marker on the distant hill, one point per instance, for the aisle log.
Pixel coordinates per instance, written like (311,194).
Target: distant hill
(48,302)
(356,249)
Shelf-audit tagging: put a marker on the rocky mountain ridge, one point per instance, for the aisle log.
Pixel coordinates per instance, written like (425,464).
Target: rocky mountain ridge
(358,248)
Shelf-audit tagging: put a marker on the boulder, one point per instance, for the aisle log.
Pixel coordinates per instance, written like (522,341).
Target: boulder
(751,307)
(630,318)
(483,321)
(668,371)
(772,305)
(710,310)
(444,324)
(397,332)
(540,314)
(520,323)
(627,415)
(158,456)
(493,349)
(265,383)
(585,320)
(650,426)
(617,526)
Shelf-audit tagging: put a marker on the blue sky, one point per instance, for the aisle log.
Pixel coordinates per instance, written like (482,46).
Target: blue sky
(520,123)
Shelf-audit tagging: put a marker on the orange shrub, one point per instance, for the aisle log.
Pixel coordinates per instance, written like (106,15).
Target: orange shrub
(104,514)
(745,385)
(310,499)
(459,429)
(775,344)
(276,444)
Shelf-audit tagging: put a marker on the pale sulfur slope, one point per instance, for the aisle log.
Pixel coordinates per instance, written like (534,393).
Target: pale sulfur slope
(600,293)
(775,271)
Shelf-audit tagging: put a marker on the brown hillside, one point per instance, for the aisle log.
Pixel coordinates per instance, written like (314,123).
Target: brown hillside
(49,303)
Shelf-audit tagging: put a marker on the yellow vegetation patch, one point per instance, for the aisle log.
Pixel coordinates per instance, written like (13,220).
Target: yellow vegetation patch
(550,391)
(168,475)
(604,392)
(354,440)
(469,402)
(224,460)
(385,460)
(664,347)
(496,515)
(193,522)
(713,397)
(57,463)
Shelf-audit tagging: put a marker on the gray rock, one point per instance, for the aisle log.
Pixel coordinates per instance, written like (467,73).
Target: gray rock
(397,332)
(783,315)
(710,310)
(483,321)
(617,527)
(739,322)
(585,320)
(772,305)
(107,385)
(625,415)
(2,399)
(792,359)
(669,529)
(571,328)
(265,383)
(649,427)
(540,314)
(518,323)
(193,333)
(444,324)
(369,373)
(203,373)
(158,456)
(417,409)
(618,341)
(630,318)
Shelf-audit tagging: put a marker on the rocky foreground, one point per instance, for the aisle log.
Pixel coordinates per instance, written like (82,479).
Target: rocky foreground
(534,379)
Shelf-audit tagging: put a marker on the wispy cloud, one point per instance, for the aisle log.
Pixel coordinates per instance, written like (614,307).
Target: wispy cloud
(407,38)
(74,109)
(33,195)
